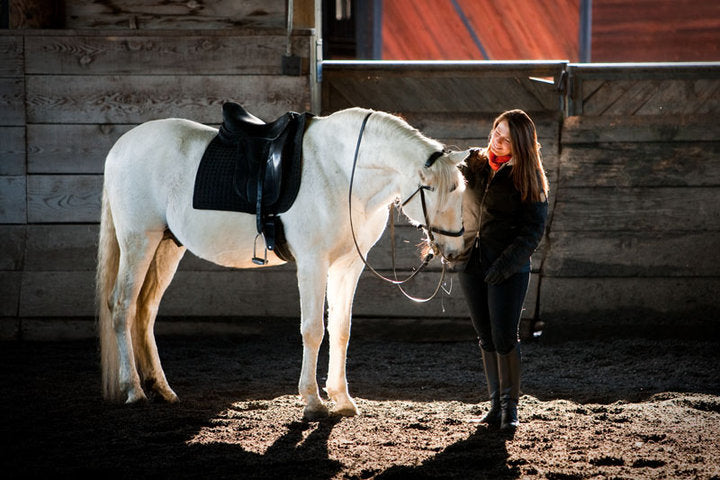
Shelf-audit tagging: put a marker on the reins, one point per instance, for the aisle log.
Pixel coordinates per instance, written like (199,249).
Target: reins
(421,189)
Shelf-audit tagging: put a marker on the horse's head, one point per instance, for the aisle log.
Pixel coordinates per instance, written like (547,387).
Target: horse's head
(436,205)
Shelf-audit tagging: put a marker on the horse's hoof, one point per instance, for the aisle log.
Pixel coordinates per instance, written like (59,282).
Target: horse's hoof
(136,397)
(349,411)
(315,414)
(168,398)
(165,396)
(172,399)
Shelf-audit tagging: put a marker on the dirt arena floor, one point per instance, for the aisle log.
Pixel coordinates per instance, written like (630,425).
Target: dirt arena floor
(630,408)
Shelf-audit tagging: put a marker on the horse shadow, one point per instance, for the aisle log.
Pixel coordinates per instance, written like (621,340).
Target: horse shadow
(482,455)
(295,454)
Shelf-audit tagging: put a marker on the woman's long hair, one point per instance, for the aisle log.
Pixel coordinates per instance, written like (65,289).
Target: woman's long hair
(527,173)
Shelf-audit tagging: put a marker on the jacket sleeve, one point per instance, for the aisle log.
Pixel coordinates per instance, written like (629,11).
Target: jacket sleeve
(517,254)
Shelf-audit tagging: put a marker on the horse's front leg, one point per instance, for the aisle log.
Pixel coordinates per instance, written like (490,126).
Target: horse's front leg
(342,282)
(312,279)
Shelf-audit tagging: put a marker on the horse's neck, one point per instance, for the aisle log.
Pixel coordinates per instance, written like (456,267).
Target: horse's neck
(388,174)
(382,173)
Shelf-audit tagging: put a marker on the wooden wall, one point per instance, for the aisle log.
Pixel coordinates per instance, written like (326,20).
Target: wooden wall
(147,14)
(636,232)
(65,97)
(631,153)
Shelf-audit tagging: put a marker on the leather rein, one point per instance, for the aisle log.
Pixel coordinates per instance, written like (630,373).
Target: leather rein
(426,227)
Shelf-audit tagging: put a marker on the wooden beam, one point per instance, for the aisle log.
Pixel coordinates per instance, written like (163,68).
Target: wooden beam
(138,98)
(640,210)
(184,53)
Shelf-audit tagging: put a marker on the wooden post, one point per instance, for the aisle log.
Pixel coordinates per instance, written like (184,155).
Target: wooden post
(308,14)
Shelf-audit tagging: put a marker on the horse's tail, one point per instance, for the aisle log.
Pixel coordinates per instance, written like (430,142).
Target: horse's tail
(107,268)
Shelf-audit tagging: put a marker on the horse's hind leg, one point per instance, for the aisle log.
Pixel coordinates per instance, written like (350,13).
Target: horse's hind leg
(136,252)
(342,282)
(158,278)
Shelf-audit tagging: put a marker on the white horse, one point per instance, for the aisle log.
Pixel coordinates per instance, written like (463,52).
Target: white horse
(148,189)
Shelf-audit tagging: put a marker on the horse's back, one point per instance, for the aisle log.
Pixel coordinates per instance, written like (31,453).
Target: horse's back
(160,140)
(153,162)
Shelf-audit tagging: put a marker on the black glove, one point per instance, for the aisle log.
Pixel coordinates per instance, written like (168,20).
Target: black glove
(497,274)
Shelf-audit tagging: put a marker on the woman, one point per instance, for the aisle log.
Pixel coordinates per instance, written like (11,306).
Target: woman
(504,210)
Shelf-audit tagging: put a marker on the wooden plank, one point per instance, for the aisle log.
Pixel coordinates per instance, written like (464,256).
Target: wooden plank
(57,294)
(68,247)
(437,93)
(12,150)
(633,254)
(536,69)
(650,97)
(254,293)
(476,126)
(466,87)
(12,247)
(637,209)
(135,99)
(11,56)
(64,198)
(219,14)
(9,293)
(679,128)
(57,329)
(12,101)
(70,148)
(648,164)
(181,54)
(611,300)
(630,88)
(61,247)
(268,292)
(13,207)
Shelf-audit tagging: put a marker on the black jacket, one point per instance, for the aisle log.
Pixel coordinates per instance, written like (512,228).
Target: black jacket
(502,230)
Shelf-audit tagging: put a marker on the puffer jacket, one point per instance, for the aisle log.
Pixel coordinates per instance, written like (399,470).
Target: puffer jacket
(501,231)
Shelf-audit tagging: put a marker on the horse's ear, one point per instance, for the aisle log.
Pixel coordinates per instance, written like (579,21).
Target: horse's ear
(457,157)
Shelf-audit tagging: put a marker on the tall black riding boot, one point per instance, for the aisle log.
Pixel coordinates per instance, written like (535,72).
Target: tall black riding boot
(509,370)
(490,365)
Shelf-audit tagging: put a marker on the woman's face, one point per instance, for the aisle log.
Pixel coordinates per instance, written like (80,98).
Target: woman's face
(500,142)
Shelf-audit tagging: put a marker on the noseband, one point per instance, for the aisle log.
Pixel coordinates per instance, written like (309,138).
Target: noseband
(426,227)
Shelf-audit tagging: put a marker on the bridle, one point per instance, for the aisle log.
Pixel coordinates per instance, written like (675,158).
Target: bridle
(426,227)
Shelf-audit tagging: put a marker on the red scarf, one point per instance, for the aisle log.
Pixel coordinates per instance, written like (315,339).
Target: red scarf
(495,161)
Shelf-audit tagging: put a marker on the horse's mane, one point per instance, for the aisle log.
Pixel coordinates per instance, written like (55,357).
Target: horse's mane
(445,171)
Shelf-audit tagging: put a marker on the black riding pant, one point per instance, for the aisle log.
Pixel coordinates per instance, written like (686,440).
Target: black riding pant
(495,309)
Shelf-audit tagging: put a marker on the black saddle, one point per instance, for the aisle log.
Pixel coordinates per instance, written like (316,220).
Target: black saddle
(253,167)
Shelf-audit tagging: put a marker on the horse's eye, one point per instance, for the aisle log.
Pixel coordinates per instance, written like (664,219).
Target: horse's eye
(454,187)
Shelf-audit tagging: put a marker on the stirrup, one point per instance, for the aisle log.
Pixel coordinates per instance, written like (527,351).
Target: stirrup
(257,260)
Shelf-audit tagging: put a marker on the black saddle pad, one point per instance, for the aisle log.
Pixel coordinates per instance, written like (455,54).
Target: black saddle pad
(227,178)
